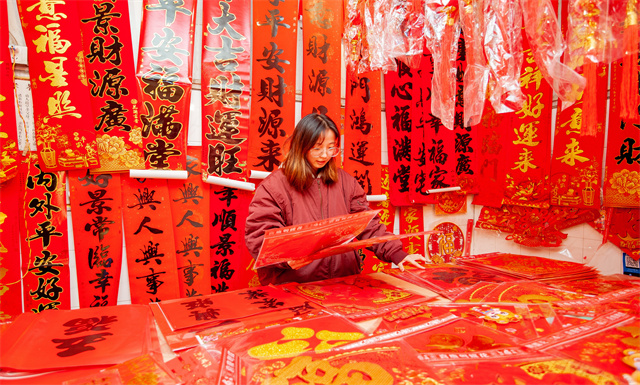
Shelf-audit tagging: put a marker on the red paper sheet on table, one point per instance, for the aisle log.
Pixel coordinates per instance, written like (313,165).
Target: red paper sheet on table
(43,235)
(230,259)
(164,78)
(594,286)
(298,241)
(96,208)
(273,82)
(447,276)
(398,100)
(10,274)
(61,99)
(217,307)
(226,67)
(321,39)
(528,292)
(111,74)
(190,215)
(362,128)
(74,338)
(9,156)
(528,141)
(622,171)
(149,240)
(412,221)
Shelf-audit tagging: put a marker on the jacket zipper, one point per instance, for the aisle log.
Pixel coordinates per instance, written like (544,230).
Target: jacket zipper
(320,191)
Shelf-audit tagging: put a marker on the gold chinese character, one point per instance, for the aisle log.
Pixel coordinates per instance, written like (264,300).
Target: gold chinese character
(51,38)
(529,134)
(525,161)
(575,122)
(411,215)
(572,153)
(47,9)
(446,244)
(59,106)
(57,72)
(529,76)
(529,109)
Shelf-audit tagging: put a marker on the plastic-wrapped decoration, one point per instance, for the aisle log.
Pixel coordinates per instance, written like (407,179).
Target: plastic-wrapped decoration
(547,46)
(441,33)
(354,38)
(376,22)
(503,49)
(405,40)
(476,74)
(630,109)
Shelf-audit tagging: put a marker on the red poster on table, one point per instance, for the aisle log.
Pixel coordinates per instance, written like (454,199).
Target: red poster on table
(10,274)
(164,78)
(61,100)
(96,208)
(43,236)
(226,74)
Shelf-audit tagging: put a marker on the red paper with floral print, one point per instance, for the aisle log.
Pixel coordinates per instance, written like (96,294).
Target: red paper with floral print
(226,67)
(163,71)
(74,338)
(96,207)
(362,127)
(149,240)
(61,99)
(190,215)
(528,292)
(273,74)
(43,235)
(321,41)
(10,273)
(412,221)
(446,246)
(110,70)
(622,171)
(9,158)
(624,230)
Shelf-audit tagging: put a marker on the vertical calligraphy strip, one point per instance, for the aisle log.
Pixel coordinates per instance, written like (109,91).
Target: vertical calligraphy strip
(529,141)
(398,87)
(362,141)
(622,172)
(43,236)
(96,209)
(190,212)
(10,293)
(422,90)
(108,59)
(149,240)
(321,57)
(412,221)
(9,157)
(226,74)
(61,99)
(164,78)
(230,260)
(274,81)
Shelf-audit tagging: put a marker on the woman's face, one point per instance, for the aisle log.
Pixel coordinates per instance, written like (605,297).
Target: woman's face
(321,153)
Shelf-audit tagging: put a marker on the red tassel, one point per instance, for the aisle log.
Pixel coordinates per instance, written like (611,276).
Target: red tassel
(629,94)
(589,98)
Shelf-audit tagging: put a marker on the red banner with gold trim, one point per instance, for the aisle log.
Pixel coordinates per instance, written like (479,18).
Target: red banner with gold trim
(412,221)
(226,74)
(108,54)
(622,172)
(61,98)
(321,41)
(362,125)
(9,157)
(96,209)
(149,240)
(164,78)
(10,273)
(273,82)
(43,235)
(231,263)
(190,213)
(398,87)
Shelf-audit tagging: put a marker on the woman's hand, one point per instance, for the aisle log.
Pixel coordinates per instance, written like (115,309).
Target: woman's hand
(413,259)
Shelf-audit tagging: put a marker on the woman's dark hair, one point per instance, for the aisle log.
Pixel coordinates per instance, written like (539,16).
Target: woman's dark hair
(295,165)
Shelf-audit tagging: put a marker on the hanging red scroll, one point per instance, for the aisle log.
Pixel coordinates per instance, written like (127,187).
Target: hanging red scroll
(43,236)
(362,141)
(622,172)
(230,259)
(149,240)
(190,213)
(528,140)
(273,85)
(9,157)
(226,68)
(96,203)
(419,180)
(321,57)
(111,76)
(10,291)
(412,221)
(61,98)
(398,87)
(164,79)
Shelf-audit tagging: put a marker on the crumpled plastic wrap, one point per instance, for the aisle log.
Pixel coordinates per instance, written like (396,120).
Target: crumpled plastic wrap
(354,37)
(376,18)
(547,46)
(503,49)
(441,33)
(405,40)
(476,74)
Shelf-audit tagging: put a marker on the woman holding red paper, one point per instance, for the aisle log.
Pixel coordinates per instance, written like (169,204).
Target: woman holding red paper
(310,187)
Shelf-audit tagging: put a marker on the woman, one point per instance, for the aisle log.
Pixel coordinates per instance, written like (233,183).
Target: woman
(309,187)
